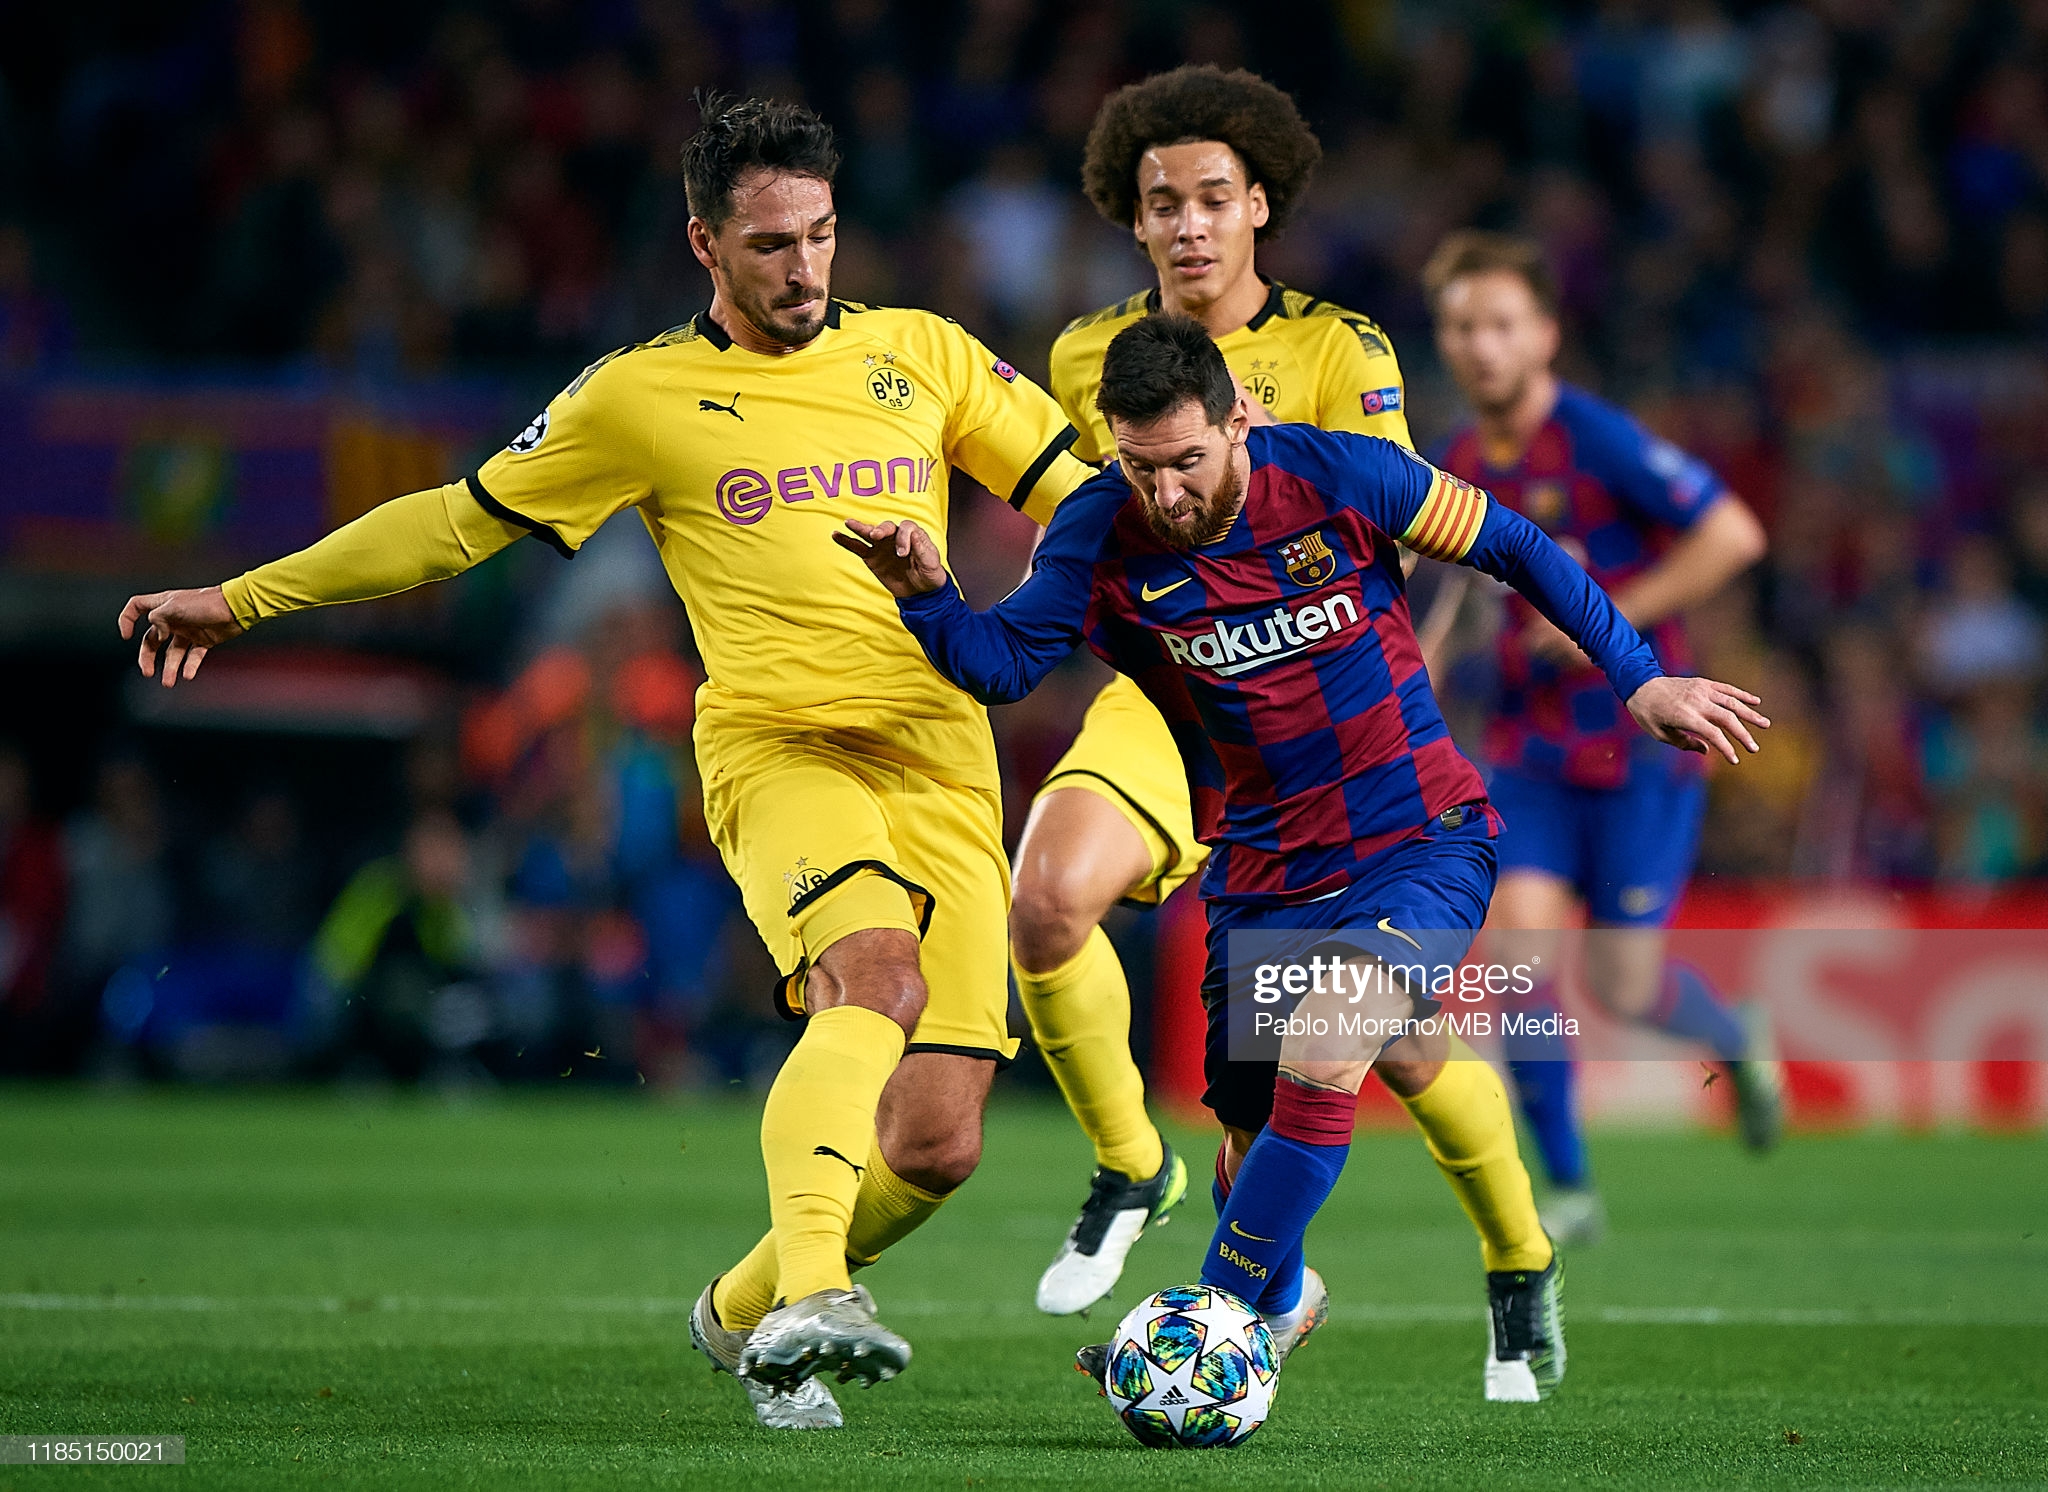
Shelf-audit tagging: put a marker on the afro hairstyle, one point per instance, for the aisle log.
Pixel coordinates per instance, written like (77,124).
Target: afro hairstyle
(1257,120)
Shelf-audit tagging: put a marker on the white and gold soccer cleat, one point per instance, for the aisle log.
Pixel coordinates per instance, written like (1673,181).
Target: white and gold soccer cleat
(808,1405)
(828,1331)
(1290,1329)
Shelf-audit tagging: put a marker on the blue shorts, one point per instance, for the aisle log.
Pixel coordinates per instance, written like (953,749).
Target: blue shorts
(1420,901)
(1627,851)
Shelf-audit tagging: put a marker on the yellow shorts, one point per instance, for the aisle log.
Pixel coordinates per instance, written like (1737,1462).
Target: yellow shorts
(826,838)
(1126,754)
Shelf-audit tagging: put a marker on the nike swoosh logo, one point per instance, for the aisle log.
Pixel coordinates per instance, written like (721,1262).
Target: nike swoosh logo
(1387,926)
(1146,593)
(1252,1236)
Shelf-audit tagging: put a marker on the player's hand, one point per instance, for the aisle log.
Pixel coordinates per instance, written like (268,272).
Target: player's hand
(1542,640)
(902,555)
(180,626)
(1698,715)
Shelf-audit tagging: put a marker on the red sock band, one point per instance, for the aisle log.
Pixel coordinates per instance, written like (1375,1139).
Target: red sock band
(1222,1176)
(1314,1116)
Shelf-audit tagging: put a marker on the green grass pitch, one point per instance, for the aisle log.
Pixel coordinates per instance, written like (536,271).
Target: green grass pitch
(315,1289)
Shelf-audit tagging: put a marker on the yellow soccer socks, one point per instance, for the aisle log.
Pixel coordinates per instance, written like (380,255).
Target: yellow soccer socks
(888,1210)
(816,1134)
(1081,1016)
(746,1292)
(1464,1115)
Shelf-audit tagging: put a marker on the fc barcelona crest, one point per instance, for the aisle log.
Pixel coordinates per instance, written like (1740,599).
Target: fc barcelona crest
(1309,561)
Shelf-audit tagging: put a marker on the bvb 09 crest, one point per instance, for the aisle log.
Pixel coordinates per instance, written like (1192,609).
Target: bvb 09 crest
(1309,561)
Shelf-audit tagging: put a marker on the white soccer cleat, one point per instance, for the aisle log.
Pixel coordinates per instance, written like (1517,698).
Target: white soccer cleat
(1292,1328)
(807,1406)
(1574,1216)
(1510,1381)
(1117,1212)
(828,1331)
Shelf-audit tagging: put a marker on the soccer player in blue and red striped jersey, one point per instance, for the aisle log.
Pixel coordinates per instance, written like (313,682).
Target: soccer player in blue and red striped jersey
(1247,579)
(1597,812)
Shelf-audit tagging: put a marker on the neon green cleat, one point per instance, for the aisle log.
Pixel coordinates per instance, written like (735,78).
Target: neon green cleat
(1117,1212)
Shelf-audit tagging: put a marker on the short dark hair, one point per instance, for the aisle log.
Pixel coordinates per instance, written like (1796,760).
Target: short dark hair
(736,136)
(1472,251)
(1158,363)
(1241,109)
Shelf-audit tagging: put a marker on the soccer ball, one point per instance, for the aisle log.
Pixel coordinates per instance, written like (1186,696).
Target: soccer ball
(1192,1366)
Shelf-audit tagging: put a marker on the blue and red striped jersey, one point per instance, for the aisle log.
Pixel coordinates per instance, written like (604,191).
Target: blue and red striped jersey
(1282,654)
(1614,497)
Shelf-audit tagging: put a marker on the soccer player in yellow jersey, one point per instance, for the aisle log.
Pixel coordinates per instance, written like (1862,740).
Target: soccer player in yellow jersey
(851,791)
(1203,164)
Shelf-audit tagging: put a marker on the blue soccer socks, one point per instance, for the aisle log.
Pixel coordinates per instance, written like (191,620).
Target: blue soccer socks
(1546,1083)
(1256,1251)
(1688,1007)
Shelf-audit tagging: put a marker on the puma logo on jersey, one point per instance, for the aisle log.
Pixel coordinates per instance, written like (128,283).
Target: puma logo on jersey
(828,1150)
(732,409)
(1234,649)
(1147,593)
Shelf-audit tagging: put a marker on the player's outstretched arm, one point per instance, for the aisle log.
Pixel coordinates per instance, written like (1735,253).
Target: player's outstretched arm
(181,627)
(1693,714)
(408,541)
(1698,715)
(998,655)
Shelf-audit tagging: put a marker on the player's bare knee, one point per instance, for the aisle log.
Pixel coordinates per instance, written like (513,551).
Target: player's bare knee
(1051,916)
(1410,1065)
(1339,1076)
(1408,1078)
(876,969)
(934,1151)
(943,1162)
(897,991)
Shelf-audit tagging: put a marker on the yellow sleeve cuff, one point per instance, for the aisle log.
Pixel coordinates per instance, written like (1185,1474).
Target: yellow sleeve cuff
(236,593)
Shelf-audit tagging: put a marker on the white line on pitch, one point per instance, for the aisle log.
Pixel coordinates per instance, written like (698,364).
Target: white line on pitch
(1358,1314)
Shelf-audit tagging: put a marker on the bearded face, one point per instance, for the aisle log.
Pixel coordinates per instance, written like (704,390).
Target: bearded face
(1190,519)
(1189,474)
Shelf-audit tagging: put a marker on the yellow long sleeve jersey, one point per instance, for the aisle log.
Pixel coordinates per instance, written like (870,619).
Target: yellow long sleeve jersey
(1308,361)
(742,465)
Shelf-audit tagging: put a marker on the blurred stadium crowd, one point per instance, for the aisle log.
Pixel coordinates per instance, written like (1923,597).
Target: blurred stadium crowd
(1808,241)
